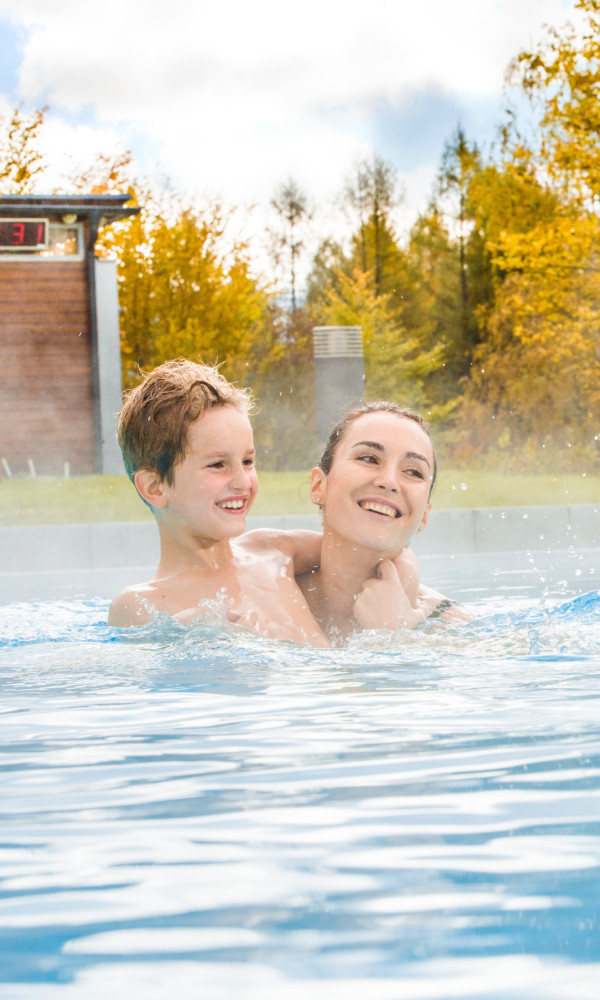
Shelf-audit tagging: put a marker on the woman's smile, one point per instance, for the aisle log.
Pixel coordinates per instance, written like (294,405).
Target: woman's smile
(380,507)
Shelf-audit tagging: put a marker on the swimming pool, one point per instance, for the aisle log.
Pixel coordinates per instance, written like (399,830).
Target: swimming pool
(194,812)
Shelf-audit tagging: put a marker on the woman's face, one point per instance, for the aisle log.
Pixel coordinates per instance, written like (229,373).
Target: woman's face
(376,494)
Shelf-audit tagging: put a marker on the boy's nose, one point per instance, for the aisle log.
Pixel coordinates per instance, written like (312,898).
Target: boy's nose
(241,478)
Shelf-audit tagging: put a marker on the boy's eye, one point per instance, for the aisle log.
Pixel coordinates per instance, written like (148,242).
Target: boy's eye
(249,462)
(216,465)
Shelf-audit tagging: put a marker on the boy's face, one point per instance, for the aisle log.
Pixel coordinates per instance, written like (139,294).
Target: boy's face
(215,484)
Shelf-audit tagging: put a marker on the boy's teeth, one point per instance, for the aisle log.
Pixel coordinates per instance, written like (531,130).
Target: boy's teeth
(380,508)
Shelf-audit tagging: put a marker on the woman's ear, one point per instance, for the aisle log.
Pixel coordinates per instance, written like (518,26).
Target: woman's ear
(318,481)
(150,487)
(424,519)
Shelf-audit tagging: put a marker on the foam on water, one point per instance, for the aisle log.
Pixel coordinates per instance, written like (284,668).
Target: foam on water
(194,811)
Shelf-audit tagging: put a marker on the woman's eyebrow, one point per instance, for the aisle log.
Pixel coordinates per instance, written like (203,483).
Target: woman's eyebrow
(420,458)
(369,444)
(414,455)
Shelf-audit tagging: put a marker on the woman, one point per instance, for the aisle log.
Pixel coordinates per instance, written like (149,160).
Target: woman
(373,485)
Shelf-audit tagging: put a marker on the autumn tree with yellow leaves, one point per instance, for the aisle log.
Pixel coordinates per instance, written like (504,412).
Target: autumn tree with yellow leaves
(535,381)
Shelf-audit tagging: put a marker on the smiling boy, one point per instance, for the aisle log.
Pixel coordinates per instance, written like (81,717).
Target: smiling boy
(187,446)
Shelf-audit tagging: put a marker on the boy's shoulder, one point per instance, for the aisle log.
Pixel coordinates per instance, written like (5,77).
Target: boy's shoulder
(130,606)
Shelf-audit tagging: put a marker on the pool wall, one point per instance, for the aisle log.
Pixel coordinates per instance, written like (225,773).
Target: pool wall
(464,550)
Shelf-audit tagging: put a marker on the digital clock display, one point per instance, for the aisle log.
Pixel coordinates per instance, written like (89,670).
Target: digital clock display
(23,234)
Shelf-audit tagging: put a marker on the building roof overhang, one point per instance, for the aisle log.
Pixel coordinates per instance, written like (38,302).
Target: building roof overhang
(102,209)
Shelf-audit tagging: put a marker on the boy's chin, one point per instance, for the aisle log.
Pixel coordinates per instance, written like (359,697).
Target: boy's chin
(235,528)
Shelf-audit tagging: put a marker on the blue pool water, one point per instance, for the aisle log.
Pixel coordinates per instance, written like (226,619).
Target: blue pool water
(200,814)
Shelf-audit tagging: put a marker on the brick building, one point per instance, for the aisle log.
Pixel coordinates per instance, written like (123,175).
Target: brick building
(60,376)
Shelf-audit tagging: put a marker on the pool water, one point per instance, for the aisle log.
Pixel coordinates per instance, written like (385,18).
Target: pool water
(194,812)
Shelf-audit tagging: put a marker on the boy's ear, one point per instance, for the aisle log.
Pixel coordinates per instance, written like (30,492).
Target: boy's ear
(150,487)
(318,481)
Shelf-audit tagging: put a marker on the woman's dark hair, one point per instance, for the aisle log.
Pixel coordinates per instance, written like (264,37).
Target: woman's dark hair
(378,406)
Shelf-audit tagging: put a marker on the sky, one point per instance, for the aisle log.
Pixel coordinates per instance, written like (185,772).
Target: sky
(230,99)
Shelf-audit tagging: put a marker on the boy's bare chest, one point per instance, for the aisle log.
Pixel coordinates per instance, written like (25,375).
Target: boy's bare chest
(253,580)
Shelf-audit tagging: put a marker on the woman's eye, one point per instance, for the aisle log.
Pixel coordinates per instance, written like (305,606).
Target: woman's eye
(416,473)
(367,458)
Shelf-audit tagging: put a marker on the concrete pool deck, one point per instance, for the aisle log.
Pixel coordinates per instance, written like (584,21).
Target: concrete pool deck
(466,553)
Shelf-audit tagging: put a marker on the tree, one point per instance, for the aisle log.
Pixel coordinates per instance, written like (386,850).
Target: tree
(537,371)
(370,196)
(461,163)
(291,205)
(282,376)
(563,75)
(184,290)
(395,366)
(109,174)
(21,160)
(431,303)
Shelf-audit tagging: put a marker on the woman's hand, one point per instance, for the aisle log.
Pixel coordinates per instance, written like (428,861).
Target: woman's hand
(407,565)
(383,602)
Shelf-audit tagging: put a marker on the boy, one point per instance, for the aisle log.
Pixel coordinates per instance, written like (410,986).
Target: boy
(187,446)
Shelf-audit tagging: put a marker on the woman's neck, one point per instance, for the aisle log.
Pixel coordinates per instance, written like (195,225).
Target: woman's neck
(332,589)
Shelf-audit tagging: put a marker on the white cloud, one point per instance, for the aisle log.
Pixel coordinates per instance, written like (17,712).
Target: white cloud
(234,97)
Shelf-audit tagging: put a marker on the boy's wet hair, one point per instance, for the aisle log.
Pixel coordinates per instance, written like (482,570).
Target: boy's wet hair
(377,406)
(154,419)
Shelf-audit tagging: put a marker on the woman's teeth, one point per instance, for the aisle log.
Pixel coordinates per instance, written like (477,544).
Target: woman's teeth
(380,508)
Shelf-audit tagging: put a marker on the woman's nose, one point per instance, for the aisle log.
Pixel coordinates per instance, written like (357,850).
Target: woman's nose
(386,478)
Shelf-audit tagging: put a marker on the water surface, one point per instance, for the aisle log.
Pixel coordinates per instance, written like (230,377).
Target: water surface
(198,813)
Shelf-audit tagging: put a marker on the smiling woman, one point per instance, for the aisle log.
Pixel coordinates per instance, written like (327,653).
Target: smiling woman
(373,486)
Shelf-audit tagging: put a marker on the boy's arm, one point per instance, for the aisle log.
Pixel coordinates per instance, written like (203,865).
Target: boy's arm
(302,546)
(305,550)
